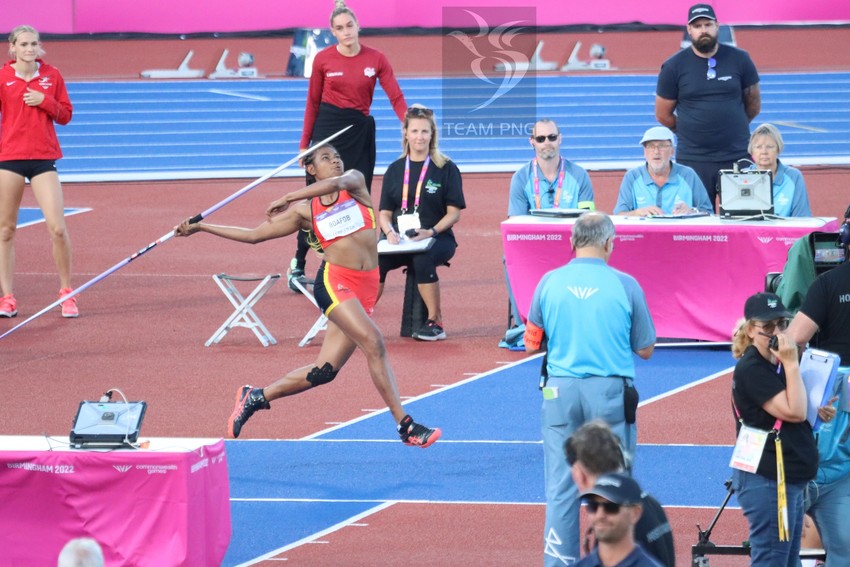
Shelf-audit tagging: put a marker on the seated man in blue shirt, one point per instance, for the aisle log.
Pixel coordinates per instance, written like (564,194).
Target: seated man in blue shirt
(661,187)
(549,181)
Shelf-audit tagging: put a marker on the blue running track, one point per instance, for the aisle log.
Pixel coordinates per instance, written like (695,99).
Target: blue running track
(491,452)
(244,128)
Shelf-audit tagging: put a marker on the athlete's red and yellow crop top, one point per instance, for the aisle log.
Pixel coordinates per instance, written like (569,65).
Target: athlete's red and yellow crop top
(345,216)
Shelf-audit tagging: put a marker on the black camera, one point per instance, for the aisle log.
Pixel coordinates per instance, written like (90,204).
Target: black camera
(773,344)
(411,233)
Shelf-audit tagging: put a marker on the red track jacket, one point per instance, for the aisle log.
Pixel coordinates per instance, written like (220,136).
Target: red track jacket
(27,132)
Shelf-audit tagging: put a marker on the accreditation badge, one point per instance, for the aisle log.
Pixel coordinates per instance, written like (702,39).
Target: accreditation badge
(748,449)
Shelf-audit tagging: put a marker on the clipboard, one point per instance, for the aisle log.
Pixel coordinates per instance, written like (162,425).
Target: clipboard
(557,213)
(405,246)
(819,370)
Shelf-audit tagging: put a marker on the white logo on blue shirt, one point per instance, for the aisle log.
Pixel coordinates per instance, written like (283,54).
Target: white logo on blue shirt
(583,292)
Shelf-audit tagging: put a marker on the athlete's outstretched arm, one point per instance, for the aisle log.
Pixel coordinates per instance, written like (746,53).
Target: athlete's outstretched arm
(281,225)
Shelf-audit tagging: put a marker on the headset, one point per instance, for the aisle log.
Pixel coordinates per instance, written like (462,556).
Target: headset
(844,230)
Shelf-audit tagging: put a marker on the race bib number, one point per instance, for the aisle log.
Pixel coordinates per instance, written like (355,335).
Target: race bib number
(748,449)
(407,222)
(340,220)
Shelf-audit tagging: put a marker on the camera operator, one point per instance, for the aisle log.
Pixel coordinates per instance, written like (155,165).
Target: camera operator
(769,402)
(824,319)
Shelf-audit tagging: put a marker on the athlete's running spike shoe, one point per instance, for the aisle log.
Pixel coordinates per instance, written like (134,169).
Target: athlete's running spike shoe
(248,400)
(416,434)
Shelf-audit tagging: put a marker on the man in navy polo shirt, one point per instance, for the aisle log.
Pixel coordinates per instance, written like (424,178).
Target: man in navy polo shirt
(659,186)
(593,317)
(714,90)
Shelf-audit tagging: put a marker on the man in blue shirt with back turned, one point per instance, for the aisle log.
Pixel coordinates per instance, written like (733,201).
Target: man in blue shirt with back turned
(594,317)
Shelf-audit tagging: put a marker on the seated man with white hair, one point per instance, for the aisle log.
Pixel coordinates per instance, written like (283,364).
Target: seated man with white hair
(81,552)
(660,186)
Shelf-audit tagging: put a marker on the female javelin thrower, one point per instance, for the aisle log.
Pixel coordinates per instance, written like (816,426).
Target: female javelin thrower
(32,98)
(338,209)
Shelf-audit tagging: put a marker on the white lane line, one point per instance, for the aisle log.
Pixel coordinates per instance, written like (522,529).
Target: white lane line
(320,534)
(240,95)
(686,386)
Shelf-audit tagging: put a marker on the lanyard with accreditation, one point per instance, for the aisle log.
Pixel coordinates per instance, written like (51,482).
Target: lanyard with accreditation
(536,179)
(407,221)
(749,448)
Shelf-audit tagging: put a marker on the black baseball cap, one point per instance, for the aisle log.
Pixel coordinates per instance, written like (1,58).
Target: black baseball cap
(618,488)
(698,11)
(765,307)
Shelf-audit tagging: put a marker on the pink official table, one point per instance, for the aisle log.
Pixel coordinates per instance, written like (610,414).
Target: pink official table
(163,506)
(696,273)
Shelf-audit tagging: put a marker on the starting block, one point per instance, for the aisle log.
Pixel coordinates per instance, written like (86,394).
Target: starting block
(321,323)
(222,72)
(181,72)
(536,63)
(596,64)
(243,314)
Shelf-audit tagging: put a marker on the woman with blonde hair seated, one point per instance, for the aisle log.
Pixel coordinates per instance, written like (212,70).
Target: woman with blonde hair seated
(790,198)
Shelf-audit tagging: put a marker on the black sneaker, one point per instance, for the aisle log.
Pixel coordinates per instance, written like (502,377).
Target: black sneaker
(248,400)
(430,331)
(294,273)
(416,434)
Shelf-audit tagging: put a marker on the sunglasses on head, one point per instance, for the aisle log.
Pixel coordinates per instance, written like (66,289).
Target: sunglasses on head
(416,111)
(541,139)
(610,508)
(711,73)
(771,326)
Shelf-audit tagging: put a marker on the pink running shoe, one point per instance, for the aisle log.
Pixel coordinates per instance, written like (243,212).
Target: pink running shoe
(8,306)
(69,306)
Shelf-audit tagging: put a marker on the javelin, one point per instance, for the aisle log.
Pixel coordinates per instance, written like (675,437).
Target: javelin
(197,218)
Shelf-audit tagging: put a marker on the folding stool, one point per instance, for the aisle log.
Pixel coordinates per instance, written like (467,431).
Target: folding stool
(243,314)
(321,323)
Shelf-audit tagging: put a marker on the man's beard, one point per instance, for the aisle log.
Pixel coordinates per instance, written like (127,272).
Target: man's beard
(705,44)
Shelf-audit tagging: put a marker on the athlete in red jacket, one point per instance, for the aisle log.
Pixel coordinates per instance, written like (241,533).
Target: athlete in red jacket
(32,98)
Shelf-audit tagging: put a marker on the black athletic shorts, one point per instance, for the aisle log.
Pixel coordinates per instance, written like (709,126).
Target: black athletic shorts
(29,168)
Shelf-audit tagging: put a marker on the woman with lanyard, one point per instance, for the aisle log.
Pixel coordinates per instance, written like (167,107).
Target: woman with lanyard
(338,209)
(340,94)
(769,403)
(428,211)
(32,98)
